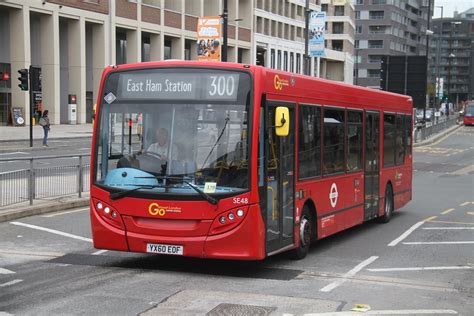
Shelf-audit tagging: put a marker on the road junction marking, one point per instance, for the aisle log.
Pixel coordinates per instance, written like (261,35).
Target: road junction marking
(11,283)
(351,273)
(52,231)
(421,269)
(6,271)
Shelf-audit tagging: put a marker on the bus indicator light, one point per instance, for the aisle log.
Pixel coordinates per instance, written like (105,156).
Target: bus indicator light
(231,216)
(222,219)
(240,213)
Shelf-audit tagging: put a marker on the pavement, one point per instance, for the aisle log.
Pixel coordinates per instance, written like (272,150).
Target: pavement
(11,137)
(63,131)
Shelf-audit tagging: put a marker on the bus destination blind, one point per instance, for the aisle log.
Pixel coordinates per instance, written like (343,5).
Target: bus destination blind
(182,86)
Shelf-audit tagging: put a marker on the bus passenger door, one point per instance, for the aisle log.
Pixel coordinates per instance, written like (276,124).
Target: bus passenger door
(372,162)
(279,182)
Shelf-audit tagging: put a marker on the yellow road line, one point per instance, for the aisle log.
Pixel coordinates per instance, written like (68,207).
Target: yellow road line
(430,218)
(447,211)
(446,222)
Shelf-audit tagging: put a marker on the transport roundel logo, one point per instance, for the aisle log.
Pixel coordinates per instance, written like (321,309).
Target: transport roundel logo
(333,195)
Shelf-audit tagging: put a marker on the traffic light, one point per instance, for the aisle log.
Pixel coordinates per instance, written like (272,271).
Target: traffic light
(23,79)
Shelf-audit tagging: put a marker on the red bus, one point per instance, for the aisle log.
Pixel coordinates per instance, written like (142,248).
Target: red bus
(468,118)
(233,161)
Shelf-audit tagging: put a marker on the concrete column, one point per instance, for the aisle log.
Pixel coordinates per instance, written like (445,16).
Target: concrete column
(77,65)
(110,36)
(100,57)
(50,65)
(156,47)
(20,56)
(318,67)
(134,38)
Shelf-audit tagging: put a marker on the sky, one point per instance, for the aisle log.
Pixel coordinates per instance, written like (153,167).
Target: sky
(449,6)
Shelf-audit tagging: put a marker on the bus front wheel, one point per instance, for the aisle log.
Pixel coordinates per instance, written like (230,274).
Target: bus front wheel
(306,234)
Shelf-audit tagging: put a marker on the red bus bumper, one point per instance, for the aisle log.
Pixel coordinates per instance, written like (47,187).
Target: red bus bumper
(244,242)
(468,120)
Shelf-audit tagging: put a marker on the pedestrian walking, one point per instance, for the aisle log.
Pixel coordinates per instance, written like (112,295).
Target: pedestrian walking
(44,122)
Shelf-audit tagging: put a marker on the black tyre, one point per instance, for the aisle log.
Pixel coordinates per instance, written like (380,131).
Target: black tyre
(306,235)
(388,207)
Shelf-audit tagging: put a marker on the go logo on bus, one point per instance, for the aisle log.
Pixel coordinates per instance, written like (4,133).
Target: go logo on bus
(155,209)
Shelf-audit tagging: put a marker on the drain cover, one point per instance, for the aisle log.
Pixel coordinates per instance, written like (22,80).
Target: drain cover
(238,309)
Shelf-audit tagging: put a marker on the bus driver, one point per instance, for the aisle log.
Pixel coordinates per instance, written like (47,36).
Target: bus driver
(161,146)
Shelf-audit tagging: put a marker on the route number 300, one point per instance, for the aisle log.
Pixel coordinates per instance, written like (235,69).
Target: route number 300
(222,86)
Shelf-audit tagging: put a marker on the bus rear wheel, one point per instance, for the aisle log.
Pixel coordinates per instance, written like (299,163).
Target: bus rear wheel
(388,205)
(306,235)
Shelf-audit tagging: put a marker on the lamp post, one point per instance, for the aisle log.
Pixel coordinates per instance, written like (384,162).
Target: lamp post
(306,39)
(428,34)
(225,16)
(438,47)
(450,56)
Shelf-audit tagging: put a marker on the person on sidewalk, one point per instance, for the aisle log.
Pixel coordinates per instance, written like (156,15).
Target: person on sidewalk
(44,122)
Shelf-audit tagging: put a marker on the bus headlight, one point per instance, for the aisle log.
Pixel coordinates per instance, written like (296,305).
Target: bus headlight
(227,220)
(108,214)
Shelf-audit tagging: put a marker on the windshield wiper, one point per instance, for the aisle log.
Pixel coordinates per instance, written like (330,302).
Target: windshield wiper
(121,194)
(217,141)
(203,194)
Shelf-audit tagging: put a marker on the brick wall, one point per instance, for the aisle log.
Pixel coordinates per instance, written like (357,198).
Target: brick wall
(125,9)
(190,23)
(231,31)
(151,14)
(244,34)
(99,6)
(173,19)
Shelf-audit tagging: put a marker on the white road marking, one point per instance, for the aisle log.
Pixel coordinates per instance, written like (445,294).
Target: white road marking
(389,312)
(405,234)
(4,314)
(438,243)
(99,252)
(6,271)
(441,228)
(14,153)
(465,203)
(52,231)
(11,283)
(351,273)
(66,212)
(421,269)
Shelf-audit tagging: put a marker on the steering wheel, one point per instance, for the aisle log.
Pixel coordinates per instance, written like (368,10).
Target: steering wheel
(153,154)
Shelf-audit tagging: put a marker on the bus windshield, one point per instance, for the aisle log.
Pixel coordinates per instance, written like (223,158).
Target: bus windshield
(470,110)
(170,131)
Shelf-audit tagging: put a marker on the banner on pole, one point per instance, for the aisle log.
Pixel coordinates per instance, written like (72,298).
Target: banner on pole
(209,38)
(317,30)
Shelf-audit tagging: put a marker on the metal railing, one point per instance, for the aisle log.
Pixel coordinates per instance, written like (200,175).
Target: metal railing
(424,132)
(37,182)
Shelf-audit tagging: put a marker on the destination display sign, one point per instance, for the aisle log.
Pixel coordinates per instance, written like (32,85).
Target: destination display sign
(179,86)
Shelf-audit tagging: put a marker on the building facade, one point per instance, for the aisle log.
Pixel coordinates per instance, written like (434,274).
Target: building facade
(72,41)
(387,27)
(279,38)
(452,57)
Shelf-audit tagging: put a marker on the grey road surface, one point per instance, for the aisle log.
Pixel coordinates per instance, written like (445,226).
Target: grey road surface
(420,263)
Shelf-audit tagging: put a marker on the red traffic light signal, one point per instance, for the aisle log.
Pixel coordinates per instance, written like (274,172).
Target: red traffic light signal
(23,79)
